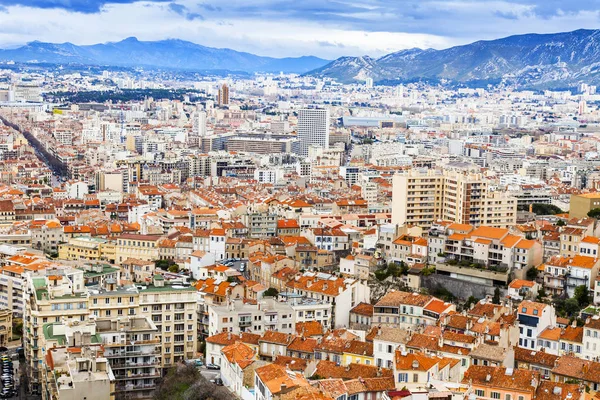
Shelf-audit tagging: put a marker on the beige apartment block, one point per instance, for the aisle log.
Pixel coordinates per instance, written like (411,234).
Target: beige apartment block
(421,197)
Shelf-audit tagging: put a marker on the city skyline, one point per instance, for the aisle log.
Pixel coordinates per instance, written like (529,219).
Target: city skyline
(326,30)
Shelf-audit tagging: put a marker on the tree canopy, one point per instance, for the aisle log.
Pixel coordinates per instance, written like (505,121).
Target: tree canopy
(185,382)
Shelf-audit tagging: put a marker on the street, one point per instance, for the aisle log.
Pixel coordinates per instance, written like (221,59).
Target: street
(209,374)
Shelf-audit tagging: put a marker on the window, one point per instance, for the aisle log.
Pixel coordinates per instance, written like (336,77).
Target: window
(402,377)
(479,393)
(507,397)
(495,395)
(415,378)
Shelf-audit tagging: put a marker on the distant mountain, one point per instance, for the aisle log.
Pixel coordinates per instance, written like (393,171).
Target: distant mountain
(172,53)
(548,60)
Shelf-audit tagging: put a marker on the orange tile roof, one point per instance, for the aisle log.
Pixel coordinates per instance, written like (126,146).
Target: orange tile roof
(531,308)
(519,283)
(489,232)
(363,309)
(309,328)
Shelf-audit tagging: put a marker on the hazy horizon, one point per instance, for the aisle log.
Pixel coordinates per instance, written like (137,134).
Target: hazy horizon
(280,28)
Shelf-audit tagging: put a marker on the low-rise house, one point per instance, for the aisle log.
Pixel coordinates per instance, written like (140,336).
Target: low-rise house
(274,382)
(385,343)
(539,361)
(417,370)
(501,383)
(591,338)
(520,289)
(238,366)
(533,318)
(273,344)
(361,316)
(570,368)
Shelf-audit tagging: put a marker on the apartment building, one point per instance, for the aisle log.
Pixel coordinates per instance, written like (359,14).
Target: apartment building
(12,283)
(172,308)
(581,204)
(46,235)
(133,352)
(236,316)
(562,274)
(49,296)
(77,372)
(343,294)
(406,310)
(85,248)
(6,326)
(425,196)
(141,247)
(485,245)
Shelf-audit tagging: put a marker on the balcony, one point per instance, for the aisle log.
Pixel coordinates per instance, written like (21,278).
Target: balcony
(244,323)
(137,376)
(126,388)
(135,365)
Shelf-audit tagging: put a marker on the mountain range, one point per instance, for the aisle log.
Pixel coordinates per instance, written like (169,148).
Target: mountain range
(548,60)
(168,54)
(532,60)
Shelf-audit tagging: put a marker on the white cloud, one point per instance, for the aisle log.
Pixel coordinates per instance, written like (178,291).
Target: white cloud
(374,30)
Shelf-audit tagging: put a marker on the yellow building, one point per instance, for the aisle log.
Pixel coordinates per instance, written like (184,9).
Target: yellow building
(358,352)
(581,204)
(81,248)
(141,247)
(5,327)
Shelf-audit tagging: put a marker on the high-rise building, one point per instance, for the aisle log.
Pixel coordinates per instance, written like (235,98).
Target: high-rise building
(224,95)
(200,124)
(422,197)
(313,129)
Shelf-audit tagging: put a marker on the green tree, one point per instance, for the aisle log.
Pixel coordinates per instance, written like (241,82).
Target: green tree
(532,273)
(541,294)
(560,222)
(545,209)
(571,307)
(162,264)
(470,300)
(184,382)
(17,327)
(582,295)
(271,292)
(496,298)
(594,213)
(174,268)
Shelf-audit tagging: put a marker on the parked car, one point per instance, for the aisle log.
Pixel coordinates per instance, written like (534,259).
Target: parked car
(217,381)
(212,366)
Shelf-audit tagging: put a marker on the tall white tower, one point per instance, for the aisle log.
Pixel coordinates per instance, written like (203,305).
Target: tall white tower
(200,124)
(313,129)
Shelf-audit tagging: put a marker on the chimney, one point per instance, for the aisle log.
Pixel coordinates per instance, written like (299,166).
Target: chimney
(283,387)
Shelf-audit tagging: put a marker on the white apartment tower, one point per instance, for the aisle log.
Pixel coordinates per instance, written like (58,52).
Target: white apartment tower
(313,129)
(200,124)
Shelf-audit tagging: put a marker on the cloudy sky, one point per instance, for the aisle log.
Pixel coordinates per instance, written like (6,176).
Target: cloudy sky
(324,28)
